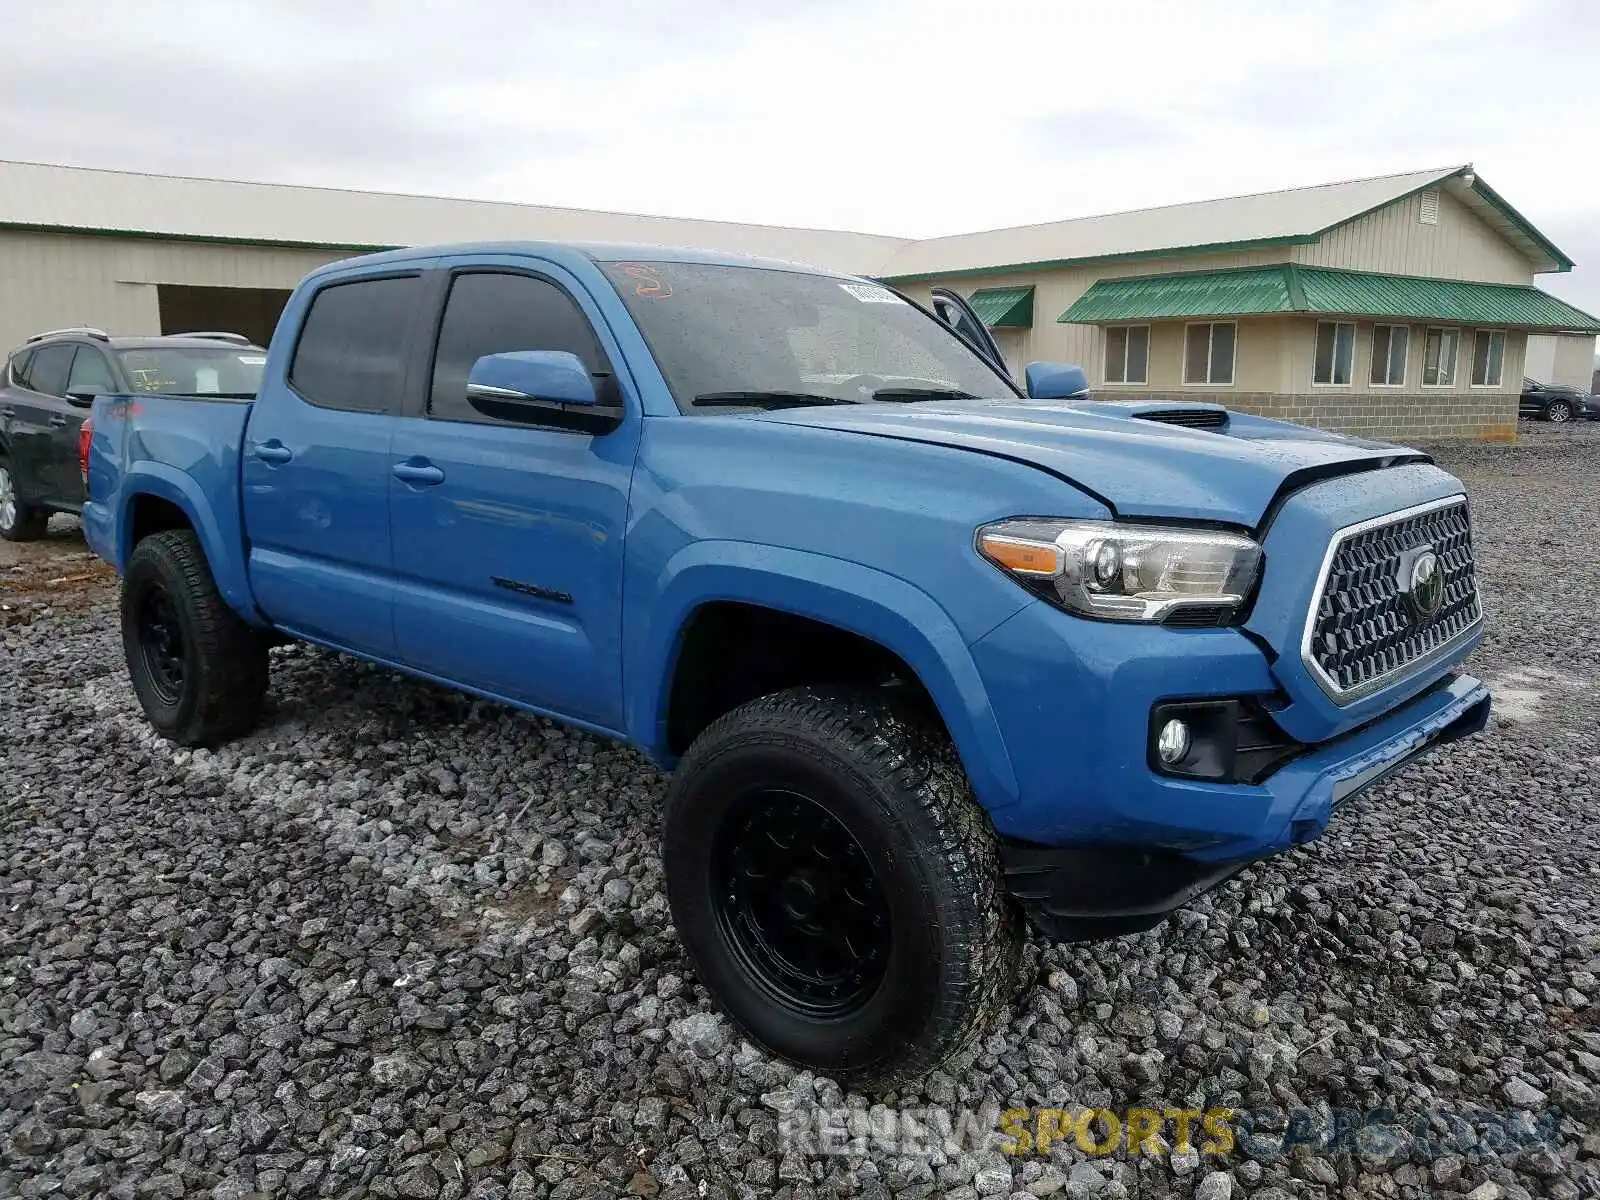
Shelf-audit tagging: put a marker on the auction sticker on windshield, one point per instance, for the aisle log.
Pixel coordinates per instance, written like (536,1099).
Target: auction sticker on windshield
(869,293)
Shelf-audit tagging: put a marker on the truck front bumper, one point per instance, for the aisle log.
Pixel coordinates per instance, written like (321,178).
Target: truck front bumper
(1078,892)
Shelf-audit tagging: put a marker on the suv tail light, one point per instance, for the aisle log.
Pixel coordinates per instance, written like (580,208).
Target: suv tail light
(85,436)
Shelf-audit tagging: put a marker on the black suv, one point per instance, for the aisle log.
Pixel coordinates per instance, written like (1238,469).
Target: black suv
(50,383)
(1556,402)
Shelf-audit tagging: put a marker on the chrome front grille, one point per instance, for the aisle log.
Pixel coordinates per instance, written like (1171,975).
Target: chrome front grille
(1362,633)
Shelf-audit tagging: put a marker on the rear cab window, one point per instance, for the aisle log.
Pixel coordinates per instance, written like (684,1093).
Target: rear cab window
(351,353)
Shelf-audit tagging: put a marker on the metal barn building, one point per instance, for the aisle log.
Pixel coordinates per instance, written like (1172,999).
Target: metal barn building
(1398,306)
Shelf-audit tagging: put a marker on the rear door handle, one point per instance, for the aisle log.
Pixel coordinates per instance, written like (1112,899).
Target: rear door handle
(274,452)
(418,472)
(8,413)
(58,422)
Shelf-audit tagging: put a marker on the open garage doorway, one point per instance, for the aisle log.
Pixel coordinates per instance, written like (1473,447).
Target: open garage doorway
(250,311)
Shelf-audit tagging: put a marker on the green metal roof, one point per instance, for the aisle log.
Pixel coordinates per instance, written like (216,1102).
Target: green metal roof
(1004,308)
(1290,288)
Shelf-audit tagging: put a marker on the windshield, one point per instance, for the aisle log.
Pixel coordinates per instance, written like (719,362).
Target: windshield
(195,370)
(760,338)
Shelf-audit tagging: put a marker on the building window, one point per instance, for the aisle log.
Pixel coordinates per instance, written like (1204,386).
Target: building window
(1336,351)
(1208,353)
(1128,354)
(1389,346)
(1488,357)
(1439,357)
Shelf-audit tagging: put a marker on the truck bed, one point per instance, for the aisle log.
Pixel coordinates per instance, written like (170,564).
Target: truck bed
(181,448)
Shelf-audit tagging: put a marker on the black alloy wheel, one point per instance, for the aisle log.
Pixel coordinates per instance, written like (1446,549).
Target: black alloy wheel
(199,670)
(160,638)
(800,904)
(835,885)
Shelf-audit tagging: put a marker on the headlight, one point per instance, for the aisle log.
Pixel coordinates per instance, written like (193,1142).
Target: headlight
(1122,572)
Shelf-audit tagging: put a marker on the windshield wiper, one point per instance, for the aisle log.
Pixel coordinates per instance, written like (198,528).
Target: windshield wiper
(758,399)
(921,393)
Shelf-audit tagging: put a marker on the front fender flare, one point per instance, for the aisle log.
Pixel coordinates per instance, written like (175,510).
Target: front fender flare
(882,608)
(228,569)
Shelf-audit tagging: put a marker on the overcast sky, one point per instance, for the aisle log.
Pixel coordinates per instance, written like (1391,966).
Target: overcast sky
(911,117)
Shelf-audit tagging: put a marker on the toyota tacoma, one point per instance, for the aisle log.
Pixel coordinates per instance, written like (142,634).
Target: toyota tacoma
(930,656)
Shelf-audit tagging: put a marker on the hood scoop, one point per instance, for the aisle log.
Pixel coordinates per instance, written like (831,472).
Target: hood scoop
(1196,417)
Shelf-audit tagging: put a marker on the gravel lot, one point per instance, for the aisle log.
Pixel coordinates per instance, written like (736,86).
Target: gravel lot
(406,943)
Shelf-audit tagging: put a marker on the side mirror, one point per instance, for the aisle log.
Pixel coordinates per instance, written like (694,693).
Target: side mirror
(1056,381)
(540,387)
(537,376)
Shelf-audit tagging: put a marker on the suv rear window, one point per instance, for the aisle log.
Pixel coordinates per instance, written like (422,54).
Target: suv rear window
(351,353)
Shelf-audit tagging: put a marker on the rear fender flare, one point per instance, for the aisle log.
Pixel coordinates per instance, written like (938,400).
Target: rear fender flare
(227,568)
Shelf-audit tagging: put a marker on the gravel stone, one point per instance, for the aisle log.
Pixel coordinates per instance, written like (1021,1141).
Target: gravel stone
(702,1032)
(1085,1180)
(1523,1094)
(405,943)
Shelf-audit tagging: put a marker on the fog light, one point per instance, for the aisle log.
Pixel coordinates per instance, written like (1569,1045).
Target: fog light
(1173,742)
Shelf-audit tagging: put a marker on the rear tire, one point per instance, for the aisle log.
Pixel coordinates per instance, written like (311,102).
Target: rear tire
(836,886)
(199,671)
(1558,412)
(19,522)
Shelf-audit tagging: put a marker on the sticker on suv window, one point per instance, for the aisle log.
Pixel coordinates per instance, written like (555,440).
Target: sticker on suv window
(870,293)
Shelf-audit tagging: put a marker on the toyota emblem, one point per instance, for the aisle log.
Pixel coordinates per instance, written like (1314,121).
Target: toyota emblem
(1422,583)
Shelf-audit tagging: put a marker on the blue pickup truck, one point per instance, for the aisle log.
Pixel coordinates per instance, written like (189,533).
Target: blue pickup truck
(927,653)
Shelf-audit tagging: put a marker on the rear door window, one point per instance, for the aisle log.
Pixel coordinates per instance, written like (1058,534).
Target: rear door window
(48,371)
(352,348)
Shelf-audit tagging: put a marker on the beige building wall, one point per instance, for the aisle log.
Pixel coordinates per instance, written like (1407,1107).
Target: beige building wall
(1395,241)
(1575,360)
(50,280)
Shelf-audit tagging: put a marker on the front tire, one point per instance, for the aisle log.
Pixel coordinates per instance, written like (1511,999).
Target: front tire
(836,886)
(1558,412)
(199,671)
(18,522)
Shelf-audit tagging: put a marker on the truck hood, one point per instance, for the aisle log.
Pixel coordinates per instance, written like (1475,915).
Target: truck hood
(1129,456)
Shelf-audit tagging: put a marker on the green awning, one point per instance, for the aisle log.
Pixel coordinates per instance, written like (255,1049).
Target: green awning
(1290,288)
(1004,308)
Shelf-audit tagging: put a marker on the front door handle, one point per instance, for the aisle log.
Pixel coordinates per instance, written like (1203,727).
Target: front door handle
(418,473)
(58,422)
(273,452)
(8,413)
